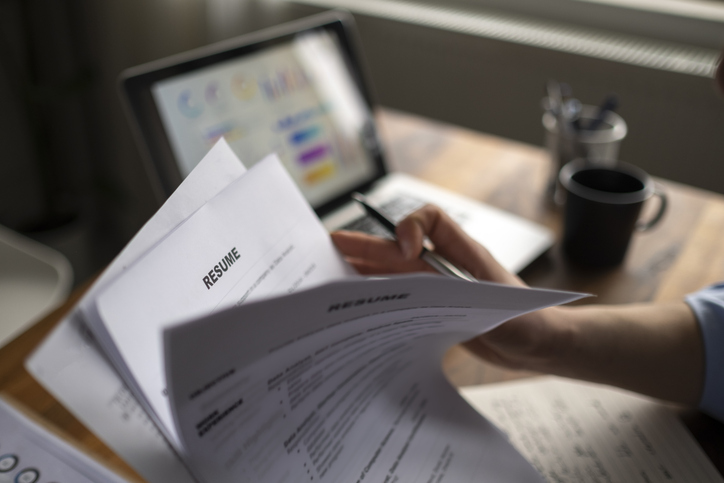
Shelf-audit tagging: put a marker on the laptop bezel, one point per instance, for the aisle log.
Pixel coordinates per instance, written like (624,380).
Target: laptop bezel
(136,91)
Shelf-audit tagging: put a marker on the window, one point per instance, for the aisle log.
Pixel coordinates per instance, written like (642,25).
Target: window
(682,36)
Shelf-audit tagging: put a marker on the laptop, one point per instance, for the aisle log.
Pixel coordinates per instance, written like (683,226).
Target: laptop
(298,90)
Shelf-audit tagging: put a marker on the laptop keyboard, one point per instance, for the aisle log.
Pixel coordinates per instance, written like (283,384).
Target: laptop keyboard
(396,209)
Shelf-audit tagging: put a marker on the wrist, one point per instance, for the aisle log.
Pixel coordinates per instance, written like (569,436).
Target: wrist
(555,342)
(653,349)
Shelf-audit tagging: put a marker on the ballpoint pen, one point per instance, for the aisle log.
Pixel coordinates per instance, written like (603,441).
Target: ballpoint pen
(436,261)
(610,103)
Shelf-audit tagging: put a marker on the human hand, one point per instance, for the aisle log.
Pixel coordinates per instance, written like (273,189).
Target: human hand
(373,255)
(520,343)
(654,349)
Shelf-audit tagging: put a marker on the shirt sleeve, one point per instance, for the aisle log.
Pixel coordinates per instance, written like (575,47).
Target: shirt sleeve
(708,306)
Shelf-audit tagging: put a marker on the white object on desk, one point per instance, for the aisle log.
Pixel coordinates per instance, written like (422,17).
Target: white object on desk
(30,454)
(582,432)
(34,279)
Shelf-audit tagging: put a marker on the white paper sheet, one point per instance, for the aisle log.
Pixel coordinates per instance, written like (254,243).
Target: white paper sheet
(580,432)
(343,383)
(30,454)
(258,237)
(71,366)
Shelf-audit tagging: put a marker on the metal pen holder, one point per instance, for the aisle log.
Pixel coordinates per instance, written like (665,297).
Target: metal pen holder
(598,146)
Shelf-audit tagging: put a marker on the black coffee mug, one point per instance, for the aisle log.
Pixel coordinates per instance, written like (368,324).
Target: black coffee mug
(602,208)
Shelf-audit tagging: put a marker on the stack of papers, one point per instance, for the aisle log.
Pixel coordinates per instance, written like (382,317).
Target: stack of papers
(29,453)
(230,341)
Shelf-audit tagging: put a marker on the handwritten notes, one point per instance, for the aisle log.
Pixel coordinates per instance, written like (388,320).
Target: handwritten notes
(579,432)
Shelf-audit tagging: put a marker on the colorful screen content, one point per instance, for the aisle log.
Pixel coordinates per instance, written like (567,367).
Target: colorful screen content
(297,99)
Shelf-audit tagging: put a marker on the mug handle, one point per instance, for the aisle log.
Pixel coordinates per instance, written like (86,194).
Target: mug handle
(664,201)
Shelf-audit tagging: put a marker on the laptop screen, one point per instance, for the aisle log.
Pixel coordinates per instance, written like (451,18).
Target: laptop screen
(298,94)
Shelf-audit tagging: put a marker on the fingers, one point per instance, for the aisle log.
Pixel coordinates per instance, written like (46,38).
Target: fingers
(372,255)
(446,235)
(365,267)
(451,242)
(367,247)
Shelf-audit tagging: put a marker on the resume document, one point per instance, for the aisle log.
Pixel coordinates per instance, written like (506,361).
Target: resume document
(260,356)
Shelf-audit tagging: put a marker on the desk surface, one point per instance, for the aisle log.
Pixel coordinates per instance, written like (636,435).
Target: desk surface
(682,254)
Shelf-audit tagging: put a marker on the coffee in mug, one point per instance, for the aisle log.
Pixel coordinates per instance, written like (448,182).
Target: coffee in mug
(602,208)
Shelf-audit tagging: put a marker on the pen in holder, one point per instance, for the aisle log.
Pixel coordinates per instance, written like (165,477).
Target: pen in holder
(593,133)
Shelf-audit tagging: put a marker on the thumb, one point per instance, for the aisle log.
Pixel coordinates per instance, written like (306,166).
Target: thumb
(410,234)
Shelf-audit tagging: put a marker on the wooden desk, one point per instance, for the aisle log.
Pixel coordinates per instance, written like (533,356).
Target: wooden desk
(684,253)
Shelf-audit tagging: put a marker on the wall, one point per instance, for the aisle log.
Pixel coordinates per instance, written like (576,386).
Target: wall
(70,172)
(77,48)
(675,120)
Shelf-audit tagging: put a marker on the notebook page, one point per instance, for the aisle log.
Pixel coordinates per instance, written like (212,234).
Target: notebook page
(574,431)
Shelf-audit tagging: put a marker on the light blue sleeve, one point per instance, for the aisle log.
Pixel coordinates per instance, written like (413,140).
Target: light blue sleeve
(708,306)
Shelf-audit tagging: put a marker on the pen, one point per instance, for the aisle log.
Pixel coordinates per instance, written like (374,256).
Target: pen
(436,261)
(610,103)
